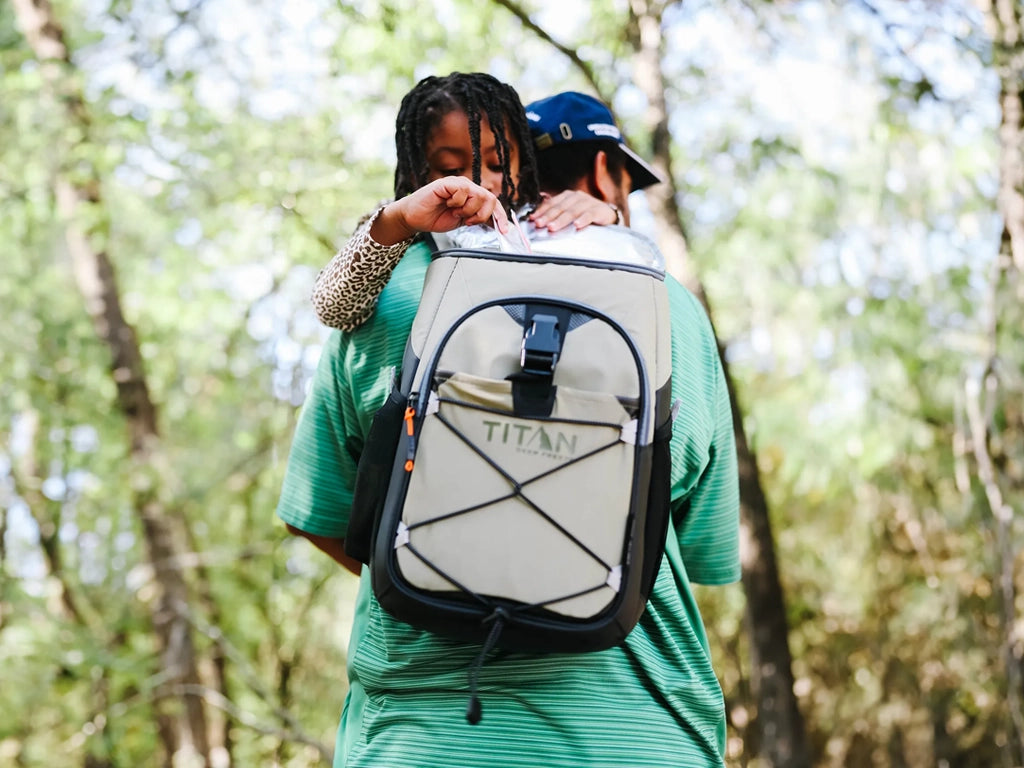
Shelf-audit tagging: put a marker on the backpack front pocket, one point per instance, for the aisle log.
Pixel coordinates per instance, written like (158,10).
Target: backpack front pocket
(529,510)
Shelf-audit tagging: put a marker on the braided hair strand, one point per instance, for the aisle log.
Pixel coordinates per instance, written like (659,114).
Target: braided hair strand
(479,95)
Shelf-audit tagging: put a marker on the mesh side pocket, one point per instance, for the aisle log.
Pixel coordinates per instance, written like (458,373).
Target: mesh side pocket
(373,476)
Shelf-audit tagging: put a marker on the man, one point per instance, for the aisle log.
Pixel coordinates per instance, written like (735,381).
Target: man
(579,148)
(651,701)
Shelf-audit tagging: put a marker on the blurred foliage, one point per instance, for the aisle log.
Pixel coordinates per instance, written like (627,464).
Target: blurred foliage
(837,169)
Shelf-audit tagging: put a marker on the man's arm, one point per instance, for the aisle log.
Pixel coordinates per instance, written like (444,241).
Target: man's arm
(333,547)
(316,491)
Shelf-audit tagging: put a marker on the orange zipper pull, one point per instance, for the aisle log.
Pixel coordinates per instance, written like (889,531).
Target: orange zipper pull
(410,431)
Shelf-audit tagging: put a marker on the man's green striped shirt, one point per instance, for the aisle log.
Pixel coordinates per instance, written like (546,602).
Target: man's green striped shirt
(654,700)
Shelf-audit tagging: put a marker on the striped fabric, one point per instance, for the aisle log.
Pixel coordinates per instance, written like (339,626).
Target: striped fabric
(652,701)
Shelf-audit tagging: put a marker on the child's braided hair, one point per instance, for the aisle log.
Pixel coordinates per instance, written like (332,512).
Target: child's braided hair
(478,95)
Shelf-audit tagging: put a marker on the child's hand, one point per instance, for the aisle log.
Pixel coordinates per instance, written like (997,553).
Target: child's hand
(572,207)
(439,206)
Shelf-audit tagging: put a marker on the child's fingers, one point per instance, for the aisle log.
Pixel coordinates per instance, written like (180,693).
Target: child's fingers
(469,203)
(494,212)
(457,198)
(480,208)
(500,219)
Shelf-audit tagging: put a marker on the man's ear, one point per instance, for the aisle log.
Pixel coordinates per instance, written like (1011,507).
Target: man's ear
(602,185)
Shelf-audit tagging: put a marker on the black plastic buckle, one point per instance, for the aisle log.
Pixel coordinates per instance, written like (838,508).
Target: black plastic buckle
(540,346)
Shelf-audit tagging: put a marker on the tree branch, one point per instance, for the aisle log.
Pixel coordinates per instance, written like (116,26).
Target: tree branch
(570,53)
(252,680)
(27,477)
(214,698)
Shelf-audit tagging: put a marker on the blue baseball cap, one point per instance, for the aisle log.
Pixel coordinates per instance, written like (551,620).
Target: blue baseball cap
(571,116)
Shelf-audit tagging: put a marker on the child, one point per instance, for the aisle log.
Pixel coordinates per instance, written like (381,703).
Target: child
(465,156)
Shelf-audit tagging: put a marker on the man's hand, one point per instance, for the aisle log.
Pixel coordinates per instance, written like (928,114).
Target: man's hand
(440,206)
(572,207)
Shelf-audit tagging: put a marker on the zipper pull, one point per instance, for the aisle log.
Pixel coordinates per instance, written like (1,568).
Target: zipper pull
(410,430)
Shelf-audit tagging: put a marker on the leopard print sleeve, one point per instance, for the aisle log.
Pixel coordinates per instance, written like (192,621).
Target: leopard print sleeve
(346,290)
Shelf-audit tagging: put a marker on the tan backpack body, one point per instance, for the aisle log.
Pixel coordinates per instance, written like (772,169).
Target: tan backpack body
(527,496)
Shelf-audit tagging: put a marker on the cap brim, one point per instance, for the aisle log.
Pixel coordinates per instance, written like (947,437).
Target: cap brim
(640,173)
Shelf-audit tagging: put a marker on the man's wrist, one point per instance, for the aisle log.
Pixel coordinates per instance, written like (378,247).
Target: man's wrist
(619,220)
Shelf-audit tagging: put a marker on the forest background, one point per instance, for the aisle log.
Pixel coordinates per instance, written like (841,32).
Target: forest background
(846,195)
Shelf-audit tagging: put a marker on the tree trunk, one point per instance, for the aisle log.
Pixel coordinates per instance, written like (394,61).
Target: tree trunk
(181,716)
(990,394)
(1005,24)
(779,725)
(221,723)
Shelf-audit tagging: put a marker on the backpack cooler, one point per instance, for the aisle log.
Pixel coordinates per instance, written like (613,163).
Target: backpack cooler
(514,490)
